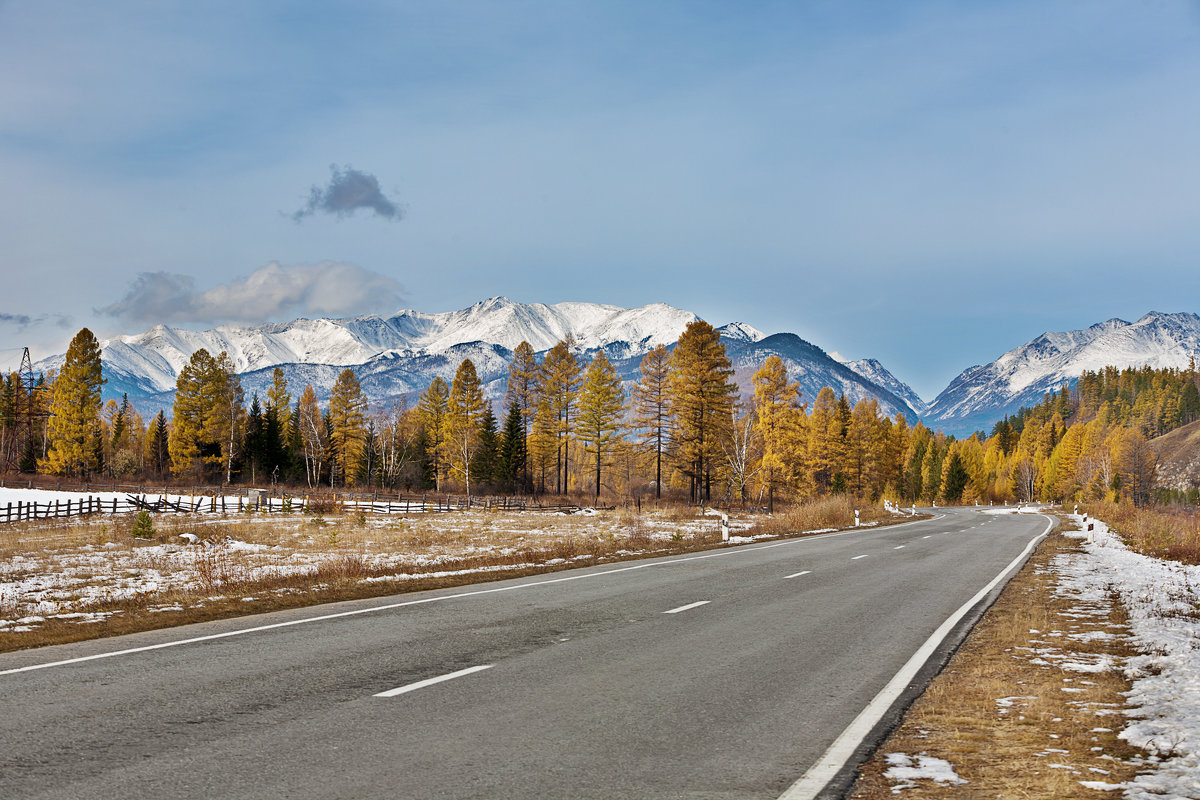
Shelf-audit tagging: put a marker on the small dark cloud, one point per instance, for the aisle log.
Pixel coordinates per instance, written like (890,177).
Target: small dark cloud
(326,289)
(23,321)
(348,191)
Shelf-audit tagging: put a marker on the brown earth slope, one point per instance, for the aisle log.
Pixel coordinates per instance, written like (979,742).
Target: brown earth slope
(1179,457)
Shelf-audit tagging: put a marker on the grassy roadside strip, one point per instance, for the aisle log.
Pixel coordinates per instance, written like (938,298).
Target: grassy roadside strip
(1029,706)
(221,584)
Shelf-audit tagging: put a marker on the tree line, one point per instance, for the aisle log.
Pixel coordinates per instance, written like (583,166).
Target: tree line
(568,427)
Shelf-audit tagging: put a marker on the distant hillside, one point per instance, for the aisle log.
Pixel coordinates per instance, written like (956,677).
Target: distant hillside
(982,395)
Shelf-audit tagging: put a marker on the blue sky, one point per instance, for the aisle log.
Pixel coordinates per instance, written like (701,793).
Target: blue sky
(926,183)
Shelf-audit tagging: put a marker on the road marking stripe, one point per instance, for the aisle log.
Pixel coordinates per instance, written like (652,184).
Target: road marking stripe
(431,681)
(927,537)
(798,574)
(856,558)
(843,748)
(459,595)
(898,547)
(688,607)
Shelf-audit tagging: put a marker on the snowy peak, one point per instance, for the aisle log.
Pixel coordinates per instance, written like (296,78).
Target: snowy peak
(875,372)
(741,332)
(156,356)
(983,394)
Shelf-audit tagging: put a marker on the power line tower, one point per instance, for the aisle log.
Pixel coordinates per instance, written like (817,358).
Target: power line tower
(24,412)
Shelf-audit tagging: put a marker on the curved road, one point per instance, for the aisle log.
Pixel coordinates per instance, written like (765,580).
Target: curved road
(725,674)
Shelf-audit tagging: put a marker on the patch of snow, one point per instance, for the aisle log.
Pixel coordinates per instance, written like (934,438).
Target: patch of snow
(905,770)
(1160,598)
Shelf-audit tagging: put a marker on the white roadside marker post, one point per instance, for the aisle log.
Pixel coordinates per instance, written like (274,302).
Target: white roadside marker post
(724,527)
(856,517)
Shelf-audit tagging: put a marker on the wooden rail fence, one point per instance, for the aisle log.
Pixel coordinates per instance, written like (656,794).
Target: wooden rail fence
(224,504)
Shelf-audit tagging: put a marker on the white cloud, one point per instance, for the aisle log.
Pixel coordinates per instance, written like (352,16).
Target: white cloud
(325,289)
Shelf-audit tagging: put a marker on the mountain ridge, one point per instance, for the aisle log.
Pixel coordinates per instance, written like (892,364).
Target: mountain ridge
(981,395)
(399,354)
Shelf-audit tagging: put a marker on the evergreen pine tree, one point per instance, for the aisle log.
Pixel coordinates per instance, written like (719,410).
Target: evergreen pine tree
(510,463)
(524,379)
(485,461)
(159,460)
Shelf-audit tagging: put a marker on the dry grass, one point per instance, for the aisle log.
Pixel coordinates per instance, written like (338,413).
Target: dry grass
(256,562)
(827,512)
(1009,713)
(110,583)
(1172,534)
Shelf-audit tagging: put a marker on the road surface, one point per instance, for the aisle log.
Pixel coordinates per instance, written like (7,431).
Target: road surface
(724,674)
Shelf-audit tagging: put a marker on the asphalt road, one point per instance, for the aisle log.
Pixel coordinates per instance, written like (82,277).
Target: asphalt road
(578,684)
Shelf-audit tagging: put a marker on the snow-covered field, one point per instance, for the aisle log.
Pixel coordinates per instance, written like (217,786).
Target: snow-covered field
(1163,602)
(65,569)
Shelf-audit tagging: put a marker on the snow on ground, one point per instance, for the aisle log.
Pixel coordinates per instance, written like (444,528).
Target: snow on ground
(906,770)
(61,569)
(1163,602)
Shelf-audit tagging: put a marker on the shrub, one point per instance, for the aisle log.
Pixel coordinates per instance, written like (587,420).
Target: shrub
(143,526)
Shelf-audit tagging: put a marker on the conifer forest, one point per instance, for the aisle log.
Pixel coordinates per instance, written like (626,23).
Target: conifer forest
(682,430)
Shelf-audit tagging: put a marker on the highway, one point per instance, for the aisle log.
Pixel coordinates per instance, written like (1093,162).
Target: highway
(723,674)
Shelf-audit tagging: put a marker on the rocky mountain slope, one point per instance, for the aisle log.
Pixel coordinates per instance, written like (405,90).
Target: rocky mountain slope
(398,356)
(983,394)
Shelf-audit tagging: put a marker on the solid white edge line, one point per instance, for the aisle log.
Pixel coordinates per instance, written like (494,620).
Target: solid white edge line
(412,687)
(459,595)
(688,607)
(831,762)
(798,574)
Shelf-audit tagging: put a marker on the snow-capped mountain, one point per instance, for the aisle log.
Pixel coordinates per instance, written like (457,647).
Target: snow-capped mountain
(150,362)
(399,355)
(876,373)
(983,394)
(813,369)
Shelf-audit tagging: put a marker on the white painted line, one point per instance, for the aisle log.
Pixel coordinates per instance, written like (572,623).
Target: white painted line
(856,558)
(688,607)
(798,574)
(733,551)
(927,537)
(898,547)
(412,687)
(844,747)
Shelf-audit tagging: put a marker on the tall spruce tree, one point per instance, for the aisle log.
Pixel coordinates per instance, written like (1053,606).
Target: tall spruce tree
(524,378)
(159,460)
(510,461)
(484,463)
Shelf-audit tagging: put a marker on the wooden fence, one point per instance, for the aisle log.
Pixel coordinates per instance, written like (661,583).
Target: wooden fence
(261,503)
